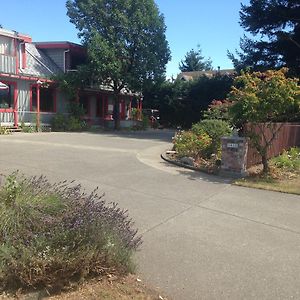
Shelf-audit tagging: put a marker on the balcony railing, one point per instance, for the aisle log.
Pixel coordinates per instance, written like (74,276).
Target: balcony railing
(7,64)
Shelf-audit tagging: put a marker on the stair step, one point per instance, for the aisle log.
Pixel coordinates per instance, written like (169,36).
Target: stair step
(12,129)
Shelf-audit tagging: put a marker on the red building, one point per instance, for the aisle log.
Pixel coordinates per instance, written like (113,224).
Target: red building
(28,93)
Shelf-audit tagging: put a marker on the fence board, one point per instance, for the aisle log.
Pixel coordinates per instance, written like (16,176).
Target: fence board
(287,137)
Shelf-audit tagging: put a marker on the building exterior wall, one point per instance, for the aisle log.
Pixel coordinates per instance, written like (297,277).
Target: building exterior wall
(57,55)
(24,114)
(61,102)
(7,64)
(24,65)
(23,99)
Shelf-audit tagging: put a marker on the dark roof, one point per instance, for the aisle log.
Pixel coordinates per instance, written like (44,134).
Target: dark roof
(58,45)
(187,76)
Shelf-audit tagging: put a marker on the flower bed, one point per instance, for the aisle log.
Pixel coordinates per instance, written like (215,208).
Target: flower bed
(200,147)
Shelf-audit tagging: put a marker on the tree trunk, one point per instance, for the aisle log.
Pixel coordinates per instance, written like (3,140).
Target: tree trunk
(265,163)
(116,112)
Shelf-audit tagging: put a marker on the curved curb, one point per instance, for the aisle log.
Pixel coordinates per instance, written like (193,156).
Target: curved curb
(178,164)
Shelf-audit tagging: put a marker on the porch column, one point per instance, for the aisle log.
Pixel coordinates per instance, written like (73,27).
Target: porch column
(123,111)
(141,103)
(140,108)
(16,116)
(130,108)
(38,106)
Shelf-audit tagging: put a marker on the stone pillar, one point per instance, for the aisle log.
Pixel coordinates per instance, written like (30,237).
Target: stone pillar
(234,156)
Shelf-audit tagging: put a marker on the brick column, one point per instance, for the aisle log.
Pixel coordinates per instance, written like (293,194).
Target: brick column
(234,156)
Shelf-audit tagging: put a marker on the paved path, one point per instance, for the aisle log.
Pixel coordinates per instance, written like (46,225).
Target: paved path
(203,238)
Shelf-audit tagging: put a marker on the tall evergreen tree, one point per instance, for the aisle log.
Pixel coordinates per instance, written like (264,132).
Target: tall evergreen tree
(194,61)
(275,25)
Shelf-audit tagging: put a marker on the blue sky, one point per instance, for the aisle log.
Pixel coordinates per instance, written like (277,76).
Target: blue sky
(213,24)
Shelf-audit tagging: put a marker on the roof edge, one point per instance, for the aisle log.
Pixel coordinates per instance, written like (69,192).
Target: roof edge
(16,35)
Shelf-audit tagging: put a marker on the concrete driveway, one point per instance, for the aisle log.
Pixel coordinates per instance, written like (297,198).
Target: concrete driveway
(203,238)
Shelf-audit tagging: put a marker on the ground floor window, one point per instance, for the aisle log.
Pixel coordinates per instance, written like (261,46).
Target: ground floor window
(7,96)
(47,99)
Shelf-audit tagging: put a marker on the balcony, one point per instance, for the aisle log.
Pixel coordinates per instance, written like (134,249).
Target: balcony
(7,64)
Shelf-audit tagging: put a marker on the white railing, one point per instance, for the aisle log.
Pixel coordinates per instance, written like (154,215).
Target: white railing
(30,117)
(6,118)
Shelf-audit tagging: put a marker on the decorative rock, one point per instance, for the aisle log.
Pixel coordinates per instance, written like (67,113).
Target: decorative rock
(171,152)
(187,161)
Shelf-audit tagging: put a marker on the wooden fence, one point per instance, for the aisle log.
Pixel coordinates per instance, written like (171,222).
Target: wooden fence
(287,137)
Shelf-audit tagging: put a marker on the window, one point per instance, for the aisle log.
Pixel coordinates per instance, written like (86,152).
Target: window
(6,45)
(47,99)
(7,97)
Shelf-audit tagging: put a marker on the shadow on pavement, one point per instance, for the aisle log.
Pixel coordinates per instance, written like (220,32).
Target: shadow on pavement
(198,175)
(164,135)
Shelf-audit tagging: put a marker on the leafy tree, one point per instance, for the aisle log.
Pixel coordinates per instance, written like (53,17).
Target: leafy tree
(126,41)
(278,24)
(218,110)
(194,61)
(261,99)
(70,83)
(181,102)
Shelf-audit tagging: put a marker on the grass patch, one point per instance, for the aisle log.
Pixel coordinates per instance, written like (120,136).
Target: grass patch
(291,186)
(284,175)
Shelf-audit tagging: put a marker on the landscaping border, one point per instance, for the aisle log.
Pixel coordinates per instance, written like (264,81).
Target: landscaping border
(179,164)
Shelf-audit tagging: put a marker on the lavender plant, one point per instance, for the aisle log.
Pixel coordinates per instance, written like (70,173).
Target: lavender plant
(51,234)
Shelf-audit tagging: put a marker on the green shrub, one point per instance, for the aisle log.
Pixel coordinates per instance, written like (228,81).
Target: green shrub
(145,122)
(27,128)
(215,129)
(187,143)
(3,130)
(74,124)
(69,123)
(134,113)
(288,160)
(76,110)
(52,234)
(58,122)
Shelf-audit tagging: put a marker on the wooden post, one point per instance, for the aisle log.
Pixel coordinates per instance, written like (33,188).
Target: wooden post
(130,108)
(16,92)
(38,107)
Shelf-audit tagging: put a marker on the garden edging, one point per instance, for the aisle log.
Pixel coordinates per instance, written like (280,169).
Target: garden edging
(176,163)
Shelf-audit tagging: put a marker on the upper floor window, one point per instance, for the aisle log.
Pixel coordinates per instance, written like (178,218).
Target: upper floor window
(6,45)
